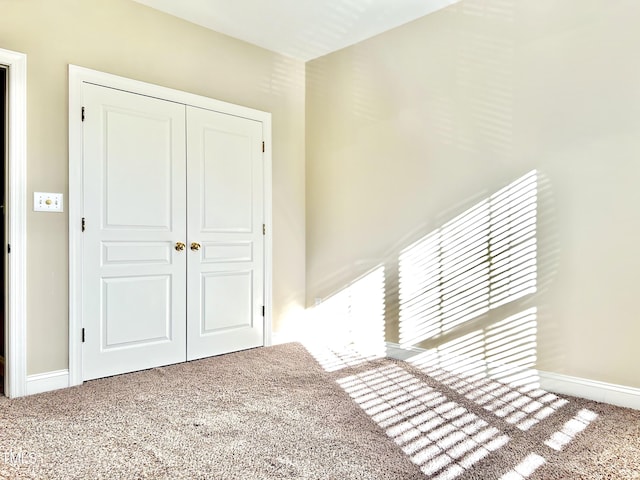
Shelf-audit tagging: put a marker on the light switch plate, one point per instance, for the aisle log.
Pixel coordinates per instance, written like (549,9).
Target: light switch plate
(47,202)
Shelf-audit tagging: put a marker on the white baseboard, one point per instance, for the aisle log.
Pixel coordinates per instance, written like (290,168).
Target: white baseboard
(619,395)
(45,382)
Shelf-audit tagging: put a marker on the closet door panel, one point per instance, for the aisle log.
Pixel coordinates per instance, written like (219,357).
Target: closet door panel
(225,201)
(134,298)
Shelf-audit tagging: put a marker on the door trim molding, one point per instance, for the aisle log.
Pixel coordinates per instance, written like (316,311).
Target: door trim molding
(78,76)
(16,288)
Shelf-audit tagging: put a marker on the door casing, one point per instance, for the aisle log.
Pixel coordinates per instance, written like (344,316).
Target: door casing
(78,76)
(16,226)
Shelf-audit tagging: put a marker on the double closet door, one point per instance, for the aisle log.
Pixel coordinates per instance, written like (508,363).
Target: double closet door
(173,244)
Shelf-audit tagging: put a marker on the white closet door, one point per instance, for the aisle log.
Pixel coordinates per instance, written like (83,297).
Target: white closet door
(225,267)
(134,298)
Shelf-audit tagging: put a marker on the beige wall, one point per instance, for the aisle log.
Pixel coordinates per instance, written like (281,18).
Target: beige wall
(131,40)
(404,131)
(408,129)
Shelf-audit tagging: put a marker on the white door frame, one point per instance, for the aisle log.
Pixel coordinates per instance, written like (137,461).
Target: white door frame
(16,209)
(80,75)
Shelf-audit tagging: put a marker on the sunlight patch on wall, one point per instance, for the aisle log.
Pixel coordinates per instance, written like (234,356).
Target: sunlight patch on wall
(286,77)
(480,260)
(348,328)
(491,9)
(505,350)
(440,436)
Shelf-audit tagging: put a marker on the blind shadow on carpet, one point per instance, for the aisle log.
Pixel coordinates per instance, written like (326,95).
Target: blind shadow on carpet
(277,413)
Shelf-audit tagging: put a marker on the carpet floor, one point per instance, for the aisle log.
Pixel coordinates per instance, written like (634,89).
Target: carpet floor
(280,413)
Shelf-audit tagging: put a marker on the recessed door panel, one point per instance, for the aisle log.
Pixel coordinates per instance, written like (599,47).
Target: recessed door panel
(134,299)
(135,311)
(131,253)
(128,159)
(227,252)
(226,166)
(226,301)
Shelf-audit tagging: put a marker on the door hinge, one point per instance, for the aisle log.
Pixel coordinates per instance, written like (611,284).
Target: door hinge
(263,310)
(83,335)
(264,229)
(84,224)
(8,248)
(83,114)
(262,147)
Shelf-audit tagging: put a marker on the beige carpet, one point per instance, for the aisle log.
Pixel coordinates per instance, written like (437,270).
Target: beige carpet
(276,413)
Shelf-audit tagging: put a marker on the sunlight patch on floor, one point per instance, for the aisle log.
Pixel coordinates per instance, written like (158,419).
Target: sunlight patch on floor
(437,434)
(523,404)
(524,469)
(577,424)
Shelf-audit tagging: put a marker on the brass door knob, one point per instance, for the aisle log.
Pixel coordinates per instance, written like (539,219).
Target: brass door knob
(195,246)
(180,246)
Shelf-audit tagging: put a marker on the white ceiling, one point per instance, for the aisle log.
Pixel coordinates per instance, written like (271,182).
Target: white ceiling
(302,29)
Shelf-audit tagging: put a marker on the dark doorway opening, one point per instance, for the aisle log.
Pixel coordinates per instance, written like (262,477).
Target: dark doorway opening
(3,166)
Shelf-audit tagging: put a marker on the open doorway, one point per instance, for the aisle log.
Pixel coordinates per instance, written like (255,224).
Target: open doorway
(3,163)
(13,195)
